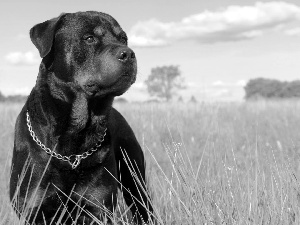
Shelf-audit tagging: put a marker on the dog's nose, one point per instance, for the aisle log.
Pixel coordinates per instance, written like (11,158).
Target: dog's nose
(125,54)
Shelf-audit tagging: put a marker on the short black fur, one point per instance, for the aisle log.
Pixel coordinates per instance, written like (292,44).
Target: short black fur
(70,107)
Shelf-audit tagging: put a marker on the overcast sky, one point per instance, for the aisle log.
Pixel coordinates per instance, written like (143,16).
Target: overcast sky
(218,44)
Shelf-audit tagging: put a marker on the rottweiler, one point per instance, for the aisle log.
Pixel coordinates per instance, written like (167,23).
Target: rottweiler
(72,149)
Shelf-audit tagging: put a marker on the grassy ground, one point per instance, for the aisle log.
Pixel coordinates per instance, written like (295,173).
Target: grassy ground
(218,163)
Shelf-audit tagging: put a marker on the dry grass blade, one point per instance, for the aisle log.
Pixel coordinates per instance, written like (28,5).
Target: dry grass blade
(235,164)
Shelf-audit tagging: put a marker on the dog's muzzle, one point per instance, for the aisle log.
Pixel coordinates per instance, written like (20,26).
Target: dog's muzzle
(116,69)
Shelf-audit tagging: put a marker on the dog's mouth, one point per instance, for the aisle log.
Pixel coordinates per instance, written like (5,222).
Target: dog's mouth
(121,85)
(91,88)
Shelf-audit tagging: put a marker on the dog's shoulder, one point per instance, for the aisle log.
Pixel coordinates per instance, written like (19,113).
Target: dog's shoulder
(116,119)
(21,128)
(118,125)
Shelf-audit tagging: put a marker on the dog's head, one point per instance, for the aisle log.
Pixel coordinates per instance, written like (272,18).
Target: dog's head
(88,51)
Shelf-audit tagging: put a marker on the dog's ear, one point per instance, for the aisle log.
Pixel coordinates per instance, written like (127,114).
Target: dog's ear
(42,35)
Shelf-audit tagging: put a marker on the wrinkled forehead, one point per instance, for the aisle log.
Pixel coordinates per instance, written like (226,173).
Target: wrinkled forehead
(88,22)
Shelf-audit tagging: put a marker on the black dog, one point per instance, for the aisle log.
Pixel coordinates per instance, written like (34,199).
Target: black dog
(68,137)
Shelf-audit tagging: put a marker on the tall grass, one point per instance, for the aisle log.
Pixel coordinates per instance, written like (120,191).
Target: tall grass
(209,163)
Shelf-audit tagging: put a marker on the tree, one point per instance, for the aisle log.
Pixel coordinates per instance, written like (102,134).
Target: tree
(12,98)
(263,88)
(269,88)
(193,99)
(291,90)
(180,99)
(164,81)
(2,97)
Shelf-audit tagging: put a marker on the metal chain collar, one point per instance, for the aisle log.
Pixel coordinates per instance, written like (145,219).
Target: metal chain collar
(73,160)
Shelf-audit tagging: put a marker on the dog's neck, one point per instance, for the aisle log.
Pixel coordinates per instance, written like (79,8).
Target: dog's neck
(66,113)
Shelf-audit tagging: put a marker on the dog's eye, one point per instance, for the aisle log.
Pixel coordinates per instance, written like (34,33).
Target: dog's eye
(123,39)
(90,39)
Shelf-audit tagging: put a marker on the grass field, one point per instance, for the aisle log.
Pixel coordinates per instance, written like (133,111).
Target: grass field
(207,163)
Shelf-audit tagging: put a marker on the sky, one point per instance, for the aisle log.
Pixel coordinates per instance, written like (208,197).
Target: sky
(219,45)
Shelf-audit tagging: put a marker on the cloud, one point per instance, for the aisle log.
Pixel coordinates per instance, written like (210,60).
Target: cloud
(241,83)
(21,37)
(219,83)
(229,24)
(15,90)
(293,32)
(20,58)
(221,93)
(194,85)
(139,85)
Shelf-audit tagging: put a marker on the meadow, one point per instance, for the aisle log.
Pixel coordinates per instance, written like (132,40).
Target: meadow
(207,163)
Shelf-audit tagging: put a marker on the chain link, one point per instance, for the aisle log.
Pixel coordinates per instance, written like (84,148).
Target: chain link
(75,158)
